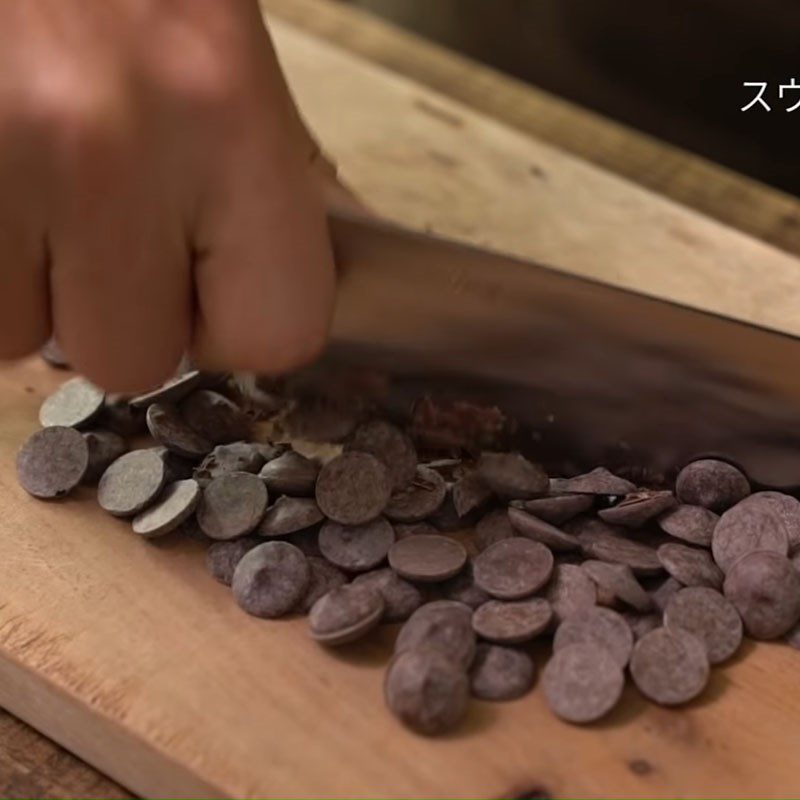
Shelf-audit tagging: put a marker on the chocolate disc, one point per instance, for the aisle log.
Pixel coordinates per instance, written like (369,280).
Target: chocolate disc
(419,499)
(570,590)
(132,483)
(400,598)
(501,673)
(715,485)
(178,469)
(605,545)
(706,614)
(690,565)
(693,524)
(52,462)
(271,579)
(168,428)
(289,515)
(759,522)
(426,691)
(531,527)
(582,683)
(105,447)
(783,510)
(442,625)
(222,557)
(215,417)
(173,391)
(356,548)
(670,666)
(463,589)
(345,614)
(470,493)
(404,530)
(292,474)
(446,518)
(323,578)
(393,448)
(353,488)
(225,458)
(765,588)
(559,508)
(512,476)
(599,626)
(513,568)
(232,505)
(598,482)
(427,559)
(642,624)
(492,528)
(512,622)
(176,504)
(637,508)
(620,582)
(74,404)
(119,416)
(662,594)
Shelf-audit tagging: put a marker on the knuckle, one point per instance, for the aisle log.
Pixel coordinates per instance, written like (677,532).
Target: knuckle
(75,115)
(202,78)
(57,105)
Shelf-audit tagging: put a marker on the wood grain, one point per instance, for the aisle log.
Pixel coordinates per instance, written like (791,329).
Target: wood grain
(126,652)
(130,655)
(695,182)
(33,766)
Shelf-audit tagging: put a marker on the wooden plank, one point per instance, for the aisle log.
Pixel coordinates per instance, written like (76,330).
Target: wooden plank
(722,194)
(128,654)
(32,766)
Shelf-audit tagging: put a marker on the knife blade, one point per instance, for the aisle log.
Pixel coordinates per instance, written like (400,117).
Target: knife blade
(593,373)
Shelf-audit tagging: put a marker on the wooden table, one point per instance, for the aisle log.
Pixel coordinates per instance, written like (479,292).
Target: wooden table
(31,765)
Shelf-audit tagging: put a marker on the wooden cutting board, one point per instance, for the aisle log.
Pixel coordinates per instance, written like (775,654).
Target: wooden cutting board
(129,654)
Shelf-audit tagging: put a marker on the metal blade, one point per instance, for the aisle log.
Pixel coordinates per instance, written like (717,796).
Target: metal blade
(596,373)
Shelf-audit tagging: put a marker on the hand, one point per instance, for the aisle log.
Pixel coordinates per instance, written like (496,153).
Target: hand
(157,191)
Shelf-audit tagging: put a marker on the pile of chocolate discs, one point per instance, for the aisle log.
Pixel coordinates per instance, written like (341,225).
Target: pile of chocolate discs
(474,555)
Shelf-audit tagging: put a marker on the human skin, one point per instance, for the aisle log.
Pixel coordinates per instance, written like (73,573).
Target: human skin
(159,193)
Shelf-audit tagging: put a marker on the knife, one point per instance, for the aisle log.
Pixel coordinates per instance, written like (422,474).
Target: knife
(593,373)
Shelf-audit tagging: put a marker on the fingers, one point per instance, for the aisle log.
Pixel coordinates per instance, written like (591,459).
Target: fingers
(121,293)
(264,272)
(24,311)
(150,175)
(264,269)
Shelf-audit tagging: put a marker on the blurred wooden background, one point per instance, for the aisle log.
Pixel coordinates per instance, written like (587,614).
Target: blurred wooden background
(672,68)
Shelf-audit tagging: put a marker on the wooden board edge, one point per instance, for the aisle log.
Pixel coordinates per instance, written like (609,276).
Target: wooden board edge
(139,766)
